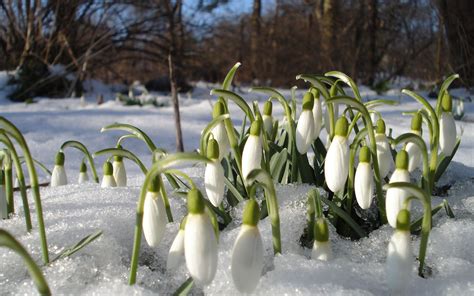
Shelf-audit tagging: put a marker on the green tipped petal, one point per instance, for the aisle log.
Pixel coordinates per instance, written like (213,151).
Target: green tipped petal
(416,121)
(108,168)
(308,101)
(251,214)
(212,149)
(403,220)
(83,167)
(59,158)
(154,185)
(381,126)
(401,161)
(218,110)
(315,92)
(182,225)
(195,201)
(447,102)
(321,230)
(342,126)
(256,127)
(364,154)
(267,108)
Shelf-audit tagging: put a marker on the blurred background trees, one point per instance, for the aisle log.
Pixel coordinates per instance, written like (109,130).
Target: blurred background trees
(165,42)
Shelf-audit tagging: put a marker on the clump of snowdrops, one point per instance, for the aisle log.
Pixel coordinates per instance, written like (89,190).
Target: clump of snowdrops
(350,170)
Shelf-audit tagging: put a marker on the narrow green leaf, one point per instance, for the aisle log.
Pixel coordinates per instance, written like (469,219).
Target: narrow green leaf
(78,246)
(81,147)
(445,161)
(236,99)
(234,190)
(185,288)
(344,216)
(133,130)
(124,153)
(347,80)
(277,163)
(38,163)
(230,76)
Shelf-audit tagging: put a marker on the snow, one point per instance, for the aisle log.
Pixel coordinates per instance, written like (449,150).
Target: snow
(73,211)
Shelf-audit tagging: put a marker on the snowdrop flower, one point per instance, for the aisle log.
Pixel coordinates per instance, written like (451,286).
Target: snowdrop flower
(214,175)
(154,215)
(83,177)
(252,154)
(364,179)
(305,128)
(415,158)
(247,253)
(399,266)
(58,177)
(200,242)
(3,197)
(120,174)
(384,152)
(108,180)
(336,165)
(321,246)
(317,114)
(267,117)
(396,197)
(447,126)
(176,253)
(219,132)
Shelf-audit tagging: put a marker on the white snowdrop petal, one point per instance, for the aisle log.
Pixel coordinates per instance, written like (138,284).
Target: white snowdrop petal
(83,178)
(252,155)
(364,185)
(247,259)
(318,118)
(384,155)
(120,174)
(447,136)
(396,197)
(336,165)
(267,123)
(200,248)
(58,176)
(154,218)
(415,158)
(304,131)
(220,135)
(214,182)
(108,181)
(176,253)
(399,266)
(321,251)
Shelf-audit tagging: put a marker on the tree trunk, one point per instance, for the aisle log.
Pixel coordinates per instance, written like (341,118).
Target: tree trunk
(372,30)
(254,38)
(457,17)
(328,33)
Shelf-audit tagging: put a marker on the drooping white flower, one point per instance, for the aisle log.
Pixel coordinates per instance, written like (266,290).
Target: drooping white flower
(399,266)
(364,180)
(322,246)
(219,132)
(108,179)
(247,253)
(176,252)
(58,177)
(384,152)
(317,116)
(200,242)
(154,215)
(120,174)
(396,197)
(3,197)
(447,127)
(267,117)
(415,157)
(214,175)
(83,177)
(305,128)
(252,154)
(336,165)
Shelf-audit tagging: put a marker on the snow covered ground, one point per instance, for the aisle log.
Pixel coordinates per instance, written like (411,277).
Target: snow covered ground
(73,211)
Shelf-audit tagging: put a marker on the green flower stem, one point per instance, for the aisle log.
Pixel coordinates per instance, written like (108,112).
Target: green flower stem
(373,148)
(206,132)
(291,127)
(293,102)
(81,147)
(123,153)
(166,201)
(8,241)
(20,176)
(7,167)
(424,198)
(230,76)
(444,87)
(12,130)
(159,167)
(124,137)
(241,103)
(265,180)
(417,140)
(426,120)
(132,130)
(347,80)
(380,102)
(38,163)
(435,137)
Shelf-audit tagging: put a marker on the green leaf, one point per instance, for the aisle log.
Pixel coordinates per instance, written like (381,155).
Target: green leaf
(81,147)
(236,99)
(305,169)
(79,245)
(277,163)
(133,130)
(230,76)
(185,288)
(415,226)
(234,190)
(380,102)
(445,161)
(347,80)
(344,216)
(315,82)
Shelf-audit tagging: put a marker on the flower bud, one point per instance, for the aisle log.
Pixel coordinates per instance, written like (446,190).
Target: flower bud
(305,128)
(336,165)
(252,154)
(364,180)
